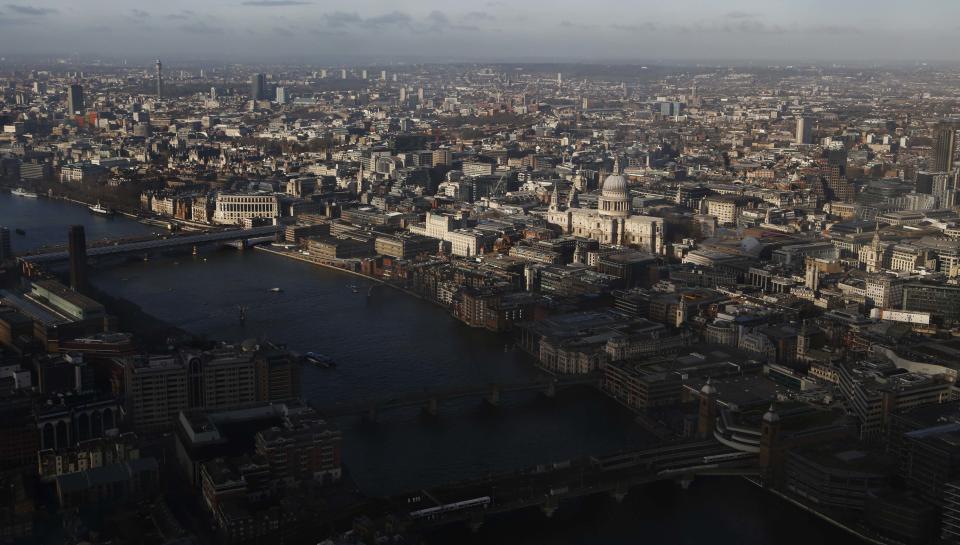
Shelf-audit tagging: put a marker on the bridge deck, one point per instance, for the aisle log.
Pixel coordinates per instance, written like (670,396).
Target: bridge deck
(547,485)
(421,399)
(158,244)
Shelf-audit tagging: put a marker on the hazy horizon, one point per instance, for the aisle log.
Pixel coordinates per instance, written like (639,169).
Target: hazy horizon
(880,31)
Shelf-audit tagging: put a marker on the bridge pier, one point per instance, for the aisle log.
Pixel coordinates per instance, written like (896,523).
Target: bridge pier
(685,481)
(619,493)
(433,407)
(493,398)
(551,391)
(550,507)
(475,522)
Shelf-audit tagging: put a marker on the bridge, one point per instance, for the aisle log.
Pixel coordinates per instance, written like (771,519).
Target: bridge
(246,236)
(430,400)
(545,486)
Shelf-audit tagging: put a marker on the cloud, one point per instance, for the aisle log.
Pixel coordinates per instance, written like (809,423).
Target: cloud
(30,10)
(438,17)
(14,22)
(831,29)
(642,27)
(177,16)
(140,13)
(200,27)
(739,15)
(480,16)
(275,3)
(342,18)
(394,17)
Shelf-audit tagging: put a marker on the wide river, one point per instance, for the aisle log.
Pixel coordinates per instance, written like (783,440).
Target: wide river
(390,344)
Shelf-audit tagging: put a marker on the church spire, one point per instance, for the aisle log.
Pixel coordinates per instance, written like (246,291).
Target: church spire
(555,196)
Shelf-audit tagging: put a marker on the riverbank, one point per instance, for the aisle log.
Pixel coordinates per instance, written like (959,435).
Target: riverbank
(822,516)
(329,266)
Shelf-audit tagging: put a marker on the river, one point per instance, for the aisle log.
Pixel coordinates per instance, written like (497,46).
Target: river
(390,344)
(45,222)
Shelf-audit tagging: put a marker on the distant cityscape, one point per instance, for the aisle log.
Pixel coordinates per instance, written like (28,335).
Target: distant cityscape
(758,266)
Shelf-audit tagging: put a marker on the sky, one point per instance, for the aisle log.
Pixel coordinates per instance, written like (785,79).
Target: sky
(486,30)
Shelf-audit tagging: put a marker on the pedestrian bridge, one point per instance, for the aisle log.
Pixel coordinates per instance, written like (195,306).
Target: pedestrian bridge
(429,400)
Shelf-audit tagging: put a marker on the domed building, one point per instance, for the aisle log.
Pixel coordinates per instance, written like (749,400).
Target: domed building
(612,221)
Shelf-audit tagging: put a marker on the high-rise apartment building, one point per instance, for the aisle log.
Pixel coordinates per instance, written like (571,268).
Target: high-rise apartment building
(75,99)
(804,133)
(155,391)
(159,79)
(944,144)
(258,87)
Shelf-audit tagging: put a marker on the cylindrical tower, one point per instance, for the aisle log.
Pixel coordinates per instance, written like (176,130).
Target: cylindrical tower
(159,79)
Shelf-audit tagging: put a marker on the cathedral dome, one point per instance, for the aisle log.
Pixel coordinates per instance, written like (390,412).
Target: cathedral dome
(614,199)
(615,186)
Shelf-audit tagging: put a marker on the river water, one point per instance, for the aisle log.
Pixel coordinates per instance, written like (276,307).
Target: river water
(390,344)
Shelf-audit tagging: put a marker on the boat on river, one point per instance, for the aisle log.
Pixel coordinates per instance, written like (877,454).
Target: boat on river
(100,210)
(21,192)
(319,360)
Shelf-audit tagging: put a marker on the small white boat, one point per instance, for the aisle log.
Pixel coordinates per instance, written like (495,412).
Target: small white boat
(21,192)
(276,290)
(99,209)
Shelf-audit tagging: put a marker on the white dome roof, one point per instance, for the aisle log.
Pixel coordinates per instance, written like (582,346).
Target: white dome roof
(615,186)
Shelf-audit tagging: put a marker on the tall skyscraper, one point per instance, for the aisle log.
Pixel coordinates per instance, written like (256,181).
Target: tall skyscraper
(945,142)
(804,126)
(75,99)
(159,79)
(403,94)
(258,86)
(835,172)
(383,75)
(944,188)
(281,95)
(78,258)
(6,251)
(924,183)
(420,95)
(343,73)
(363,74)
